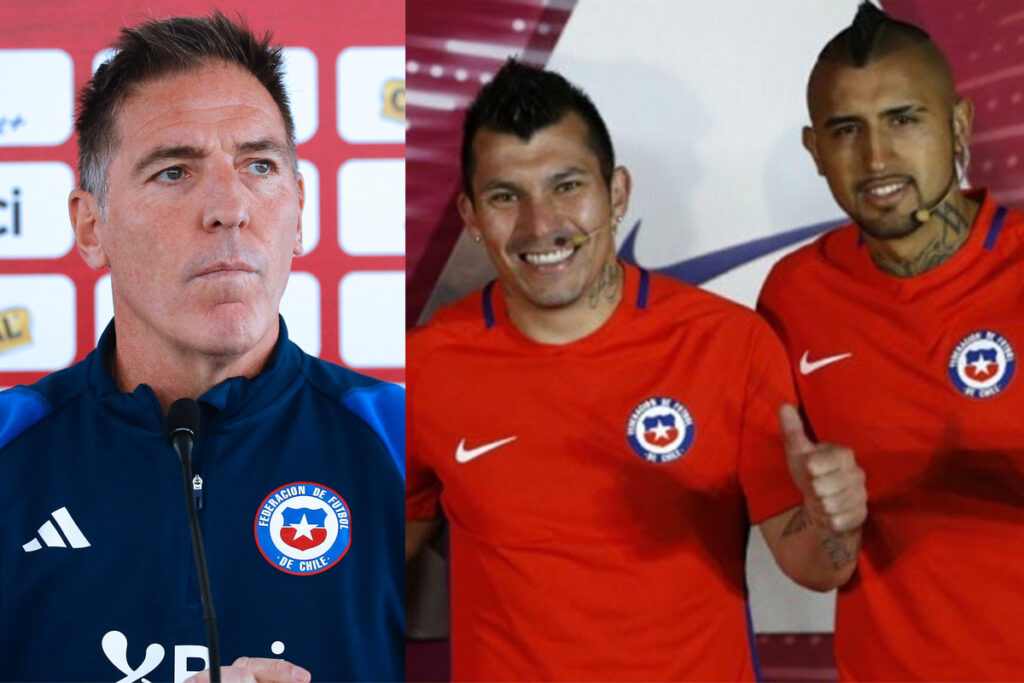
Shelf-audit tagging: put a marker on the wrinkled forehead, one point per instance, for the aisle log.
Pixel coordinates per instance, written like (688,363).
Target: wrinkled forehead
(208,91)
(909,75)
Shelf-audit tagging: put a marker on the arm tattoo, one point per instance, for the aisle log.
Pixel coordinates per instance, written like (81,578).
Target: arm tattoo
(954,232)
(838,554)
(834,544)
(607,285)
(797,523)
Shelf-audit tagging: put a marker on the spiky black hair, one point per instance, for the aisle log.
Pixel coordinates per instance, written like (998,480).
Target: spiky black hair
(872,34)
(521,100)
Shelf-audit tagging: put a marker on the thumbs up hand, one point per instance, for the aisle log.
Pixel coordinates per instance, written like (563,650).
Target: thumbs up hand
(832,483)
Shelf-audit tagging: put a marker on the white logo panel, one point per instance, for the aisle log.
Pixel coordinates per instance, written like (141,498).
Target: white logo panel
(102,56)
(30,114)
(371,206)
(300,307)
(311,207)
(371,94)
(301,85)
(373,319)
(44,308)
(33,209)
(103,308)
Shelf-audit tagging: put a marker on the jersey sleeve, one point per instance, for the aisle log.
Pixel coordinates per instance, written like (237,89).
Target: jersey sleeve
(422,487)
(764,474)
(20,408)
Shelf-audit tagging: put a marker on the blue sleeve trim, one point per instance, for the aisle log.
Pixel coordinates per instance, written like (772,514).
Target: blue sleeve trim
(994,228)
(382,407)
(752,642)
(20,408)
(642,292)
(488,305)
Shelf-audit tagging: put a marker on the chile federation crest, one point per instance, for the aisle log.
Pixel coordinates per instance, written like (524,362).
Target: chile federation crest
(660,430)
(303,528)
(982,364)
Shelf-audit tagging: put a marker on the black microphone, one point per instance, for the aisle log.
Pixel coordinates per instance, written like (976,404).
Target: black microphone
(181,427)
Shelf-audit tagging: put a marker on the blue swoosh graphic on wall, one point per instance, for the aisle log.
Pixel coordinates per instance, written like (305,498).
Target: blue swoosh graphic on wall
(700,269)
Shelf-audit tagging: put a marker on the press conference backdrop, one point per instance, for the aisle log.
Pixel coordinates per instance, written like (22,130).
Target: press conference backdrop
(705,103)
(345,77)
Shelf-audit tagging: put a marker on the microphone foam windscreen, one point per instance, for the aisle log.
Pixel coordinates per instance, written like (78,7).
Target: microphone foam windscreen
(184,414)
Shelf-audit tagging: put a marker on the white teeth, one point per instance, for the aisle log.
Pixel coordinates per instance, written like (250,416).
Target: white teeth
(885,190)
(549,257)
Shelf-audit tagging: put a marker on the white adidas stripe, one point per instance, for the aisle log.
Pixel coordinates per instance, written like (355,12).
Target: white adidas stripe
(71,531)
(53,539)
(50,536)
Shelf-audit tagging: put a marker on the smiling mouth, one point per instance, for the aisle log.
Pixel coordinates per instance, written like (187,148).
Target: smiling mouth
(548,258)
(885,188)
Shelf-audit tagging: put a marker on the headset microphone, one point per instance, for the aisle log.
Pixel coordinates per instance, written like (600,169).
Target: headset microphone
(924,214)
(581,238)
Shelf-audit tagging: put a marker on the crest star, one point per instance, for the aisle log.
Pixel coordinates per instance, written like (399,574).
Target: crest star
(303,529)
(660,431)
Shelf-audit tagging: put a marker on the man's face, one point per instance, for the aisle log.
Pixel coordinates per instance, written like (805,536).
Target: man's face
(203,212)
(530,199)
(883,138)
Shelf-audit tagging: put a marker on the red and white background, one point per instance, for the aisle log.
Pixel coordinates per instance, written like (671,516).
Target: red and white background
(345,76)
(705,103)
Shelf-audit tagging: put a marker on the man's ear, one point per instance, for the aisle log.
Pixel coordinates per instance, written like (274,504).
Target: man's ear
(622,185)
(810,141)
(963,122)
(87,222)
(468,214)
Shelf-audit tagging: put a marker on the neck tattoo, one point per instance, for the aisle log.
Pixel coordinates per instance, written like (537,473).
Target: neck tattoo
(953,230)
(607,287)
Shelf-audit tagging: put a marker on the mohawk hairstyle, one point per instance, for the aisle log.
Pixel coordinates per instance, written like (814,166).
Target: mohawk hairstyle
(155,49)
(521,100)
(872,34)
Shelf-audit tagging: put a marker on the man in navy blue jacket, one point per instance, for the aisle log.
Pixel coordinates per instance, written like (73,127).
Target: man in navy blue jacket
(190,195)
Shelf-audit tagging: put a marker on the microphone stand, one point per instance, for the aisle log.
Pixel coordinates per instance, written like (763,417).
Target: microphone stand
(182,438)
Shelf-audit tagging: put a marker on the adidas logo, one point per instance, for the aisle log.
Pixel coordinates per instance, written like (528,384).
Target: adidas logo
(52,538)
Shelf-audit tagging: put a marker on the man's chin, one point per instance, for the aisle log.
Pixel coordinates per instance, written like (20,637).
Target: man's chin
(234,329)
(889,228)
(554,299)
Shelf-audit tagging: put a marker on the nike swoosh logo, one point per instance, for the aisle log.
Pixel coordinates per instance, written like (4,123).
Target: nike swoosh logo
(464,455)
(808,366)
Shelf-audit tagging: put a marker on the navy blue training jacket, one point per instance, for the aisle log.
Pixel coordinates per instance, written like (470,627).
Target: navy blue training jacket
(302,516)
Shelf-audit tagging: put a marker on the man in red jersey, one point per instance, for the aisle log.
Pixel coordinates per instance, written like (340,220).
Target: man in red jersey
(903,328)
(600,439)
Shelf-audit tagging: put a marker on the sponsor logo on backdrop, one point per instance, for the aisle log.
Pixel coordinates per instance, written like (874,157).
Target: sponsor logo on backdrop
(11,124)
(29,114)
(13,206)
(371,94)
(15,328)
(33,209)
(394,100)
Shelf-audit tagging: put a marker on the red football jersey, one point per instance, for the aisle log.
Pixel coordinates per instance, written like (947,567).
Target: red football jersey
(599,493)
(919,376)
